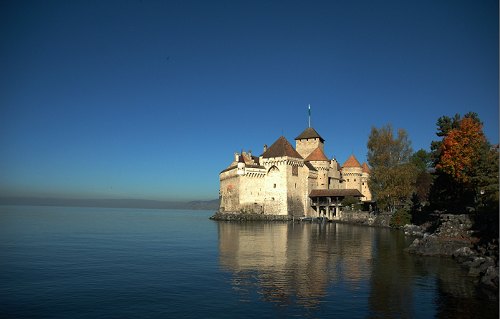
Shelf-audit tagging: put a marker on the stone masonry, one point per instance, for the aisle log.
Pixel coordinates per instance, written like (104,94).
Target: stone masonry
(280,180)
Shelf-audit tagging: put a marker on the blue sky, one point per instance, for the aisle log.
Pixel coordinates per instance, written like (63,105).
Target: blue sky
(150,99)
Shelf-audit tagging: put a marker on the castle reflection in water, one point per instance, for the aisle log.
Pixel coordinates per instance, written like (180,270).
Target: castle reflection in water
(296,261)
(309,265)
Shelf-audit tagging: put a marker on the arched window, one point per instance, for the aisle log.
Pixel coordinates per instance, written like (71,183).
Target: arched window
(273,169)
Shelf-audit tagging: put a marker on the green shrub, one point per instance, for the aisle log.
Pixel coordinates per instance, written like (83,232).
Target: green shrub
(400,218)
(351,201)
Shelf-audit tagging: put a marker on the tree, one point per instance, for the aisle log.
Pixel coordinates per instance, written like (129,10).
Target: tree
(484,179)
(423,164)
(466,165)
(461,149)
(392,176)
(445,124)
(422,160)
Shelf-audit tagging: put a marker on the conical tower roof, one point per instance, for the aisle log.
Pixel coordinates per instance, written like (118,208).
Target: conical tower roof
(309,133)
(365,168)
(317,155)
(351,162)
(281,148)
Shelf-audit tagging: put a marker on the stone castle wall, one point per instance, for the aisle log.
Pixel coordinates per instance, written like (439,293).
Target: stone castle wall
(305,147)
(352,177)
(275,186)
(229,191)
(365,190)
(296,188)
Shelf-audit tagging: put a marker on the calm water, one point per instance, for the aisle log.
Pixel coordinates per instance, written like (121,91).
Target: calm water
(130,263)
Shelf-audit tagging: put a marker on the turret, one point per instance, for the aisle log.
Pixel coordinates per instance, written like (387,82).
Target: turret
(320,162)
(365,176)
(241,165)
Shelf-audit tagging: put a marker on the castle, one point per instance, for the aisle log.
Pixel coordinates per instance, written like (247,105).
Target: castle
(298,181)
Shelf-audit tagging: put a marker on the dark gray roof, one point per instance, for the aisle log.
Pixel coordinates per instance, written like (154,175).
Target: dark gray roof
(241,159)
(281,148)
(248,166)
(309,133)
(310,166)
(335,193)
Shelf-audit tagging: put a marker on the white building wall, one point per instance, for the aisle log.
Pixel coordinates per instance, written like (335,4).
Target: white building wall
(275,198)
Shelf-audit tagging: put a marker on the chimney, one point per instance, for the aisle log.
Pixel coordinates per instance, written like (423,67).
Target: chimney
(265,148)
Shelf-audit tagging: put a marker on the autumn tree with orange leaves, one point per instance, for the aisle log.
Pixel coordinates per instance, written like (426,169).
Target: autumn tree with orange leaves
(460,150)
(466,166)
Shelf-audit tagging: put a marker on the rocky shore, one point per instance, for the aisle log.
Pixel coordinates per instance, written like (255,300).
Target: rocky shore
(350,217)
(241,217)
(365,218)
(452,236)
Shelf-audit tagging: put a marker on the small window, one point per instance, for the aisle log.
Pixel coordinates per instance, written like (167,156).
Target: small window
(274,186)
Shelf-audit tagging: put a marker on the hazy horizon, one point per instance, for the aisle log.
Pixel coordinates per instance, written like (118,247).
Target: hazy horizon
(110,202)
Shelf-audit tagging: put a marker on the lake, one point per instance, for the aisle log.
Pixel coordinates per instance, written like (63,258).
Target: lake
(59,262)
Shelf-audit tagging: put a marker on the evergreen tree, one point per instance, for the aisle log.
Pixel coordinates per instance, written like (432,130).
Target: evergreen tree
(423,164)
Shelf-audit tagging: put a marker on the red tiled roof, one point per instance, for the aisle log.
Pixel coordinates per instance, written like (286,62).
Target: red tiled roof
(351,162)
(365,168)
(335,193)
(281,148)
(309,133)
(317,155)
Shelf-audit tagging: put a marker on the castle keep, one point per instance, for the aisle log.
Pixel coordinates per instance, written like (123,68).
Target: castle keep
(298,181)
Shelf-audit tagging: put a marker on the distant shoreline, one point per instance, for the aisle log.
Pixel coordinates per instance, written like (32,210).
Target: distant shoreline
(111,203)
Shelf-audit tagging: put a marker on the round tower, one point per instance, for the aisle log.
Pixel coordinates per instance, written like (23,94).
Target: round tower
(351,173)
(365,175)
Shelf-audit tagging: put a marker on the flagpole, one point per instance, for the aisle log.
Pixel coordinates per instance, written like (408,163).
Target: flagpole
(309,107)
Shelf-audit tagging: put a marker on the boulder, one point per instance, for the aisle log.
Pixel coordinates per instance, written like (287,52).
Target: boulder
(413,230)
(433,245)
(463,254)
(479,265)
(490,278)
